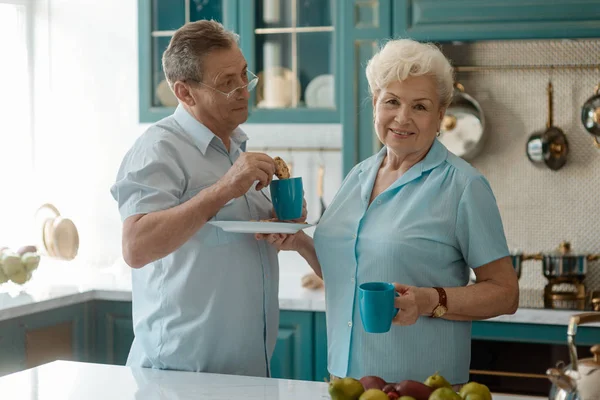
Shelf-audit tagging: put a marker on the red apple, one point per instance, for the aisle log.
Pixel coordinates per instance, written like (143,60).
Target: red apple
(372,382)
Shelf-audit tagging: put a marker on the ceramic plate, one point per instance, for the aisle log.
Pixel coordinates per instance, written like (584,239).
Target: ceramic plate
(319,92)
(258,227)
(165,95)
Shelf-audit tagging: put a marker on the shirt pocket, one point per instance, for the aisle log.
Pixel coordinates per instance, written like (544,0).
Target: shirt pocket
(210,235)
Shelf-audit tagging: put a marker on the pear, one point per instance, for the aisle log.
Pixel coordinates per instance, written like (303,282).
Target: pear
(473,388)
(345,389)
(374,394)
(444,393)
(437,381)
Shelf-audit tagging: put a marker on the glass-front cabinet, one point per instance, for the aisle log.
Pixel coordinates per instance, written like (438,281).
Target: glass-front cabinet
(291,46)
(157,22)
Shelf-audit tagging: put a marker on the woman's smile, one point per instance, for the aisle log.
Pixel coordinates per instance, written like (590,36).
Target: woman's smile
(401,134)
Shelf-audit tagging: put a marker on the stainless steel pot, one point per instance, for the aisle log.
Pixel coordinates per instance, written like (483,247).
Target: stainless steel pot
(549,147)
(562,263)
(580,380)
(463,127)
(590,115)
(517,261)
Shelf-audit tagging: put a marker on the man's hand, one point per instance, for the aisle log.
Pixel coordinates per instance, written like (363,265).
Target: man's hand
(247,169)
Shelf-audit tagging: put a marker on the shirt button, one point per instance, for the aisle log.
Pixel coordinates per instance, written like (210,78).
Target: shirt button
(378,201)
(353,280)
(350,324)
(354,236)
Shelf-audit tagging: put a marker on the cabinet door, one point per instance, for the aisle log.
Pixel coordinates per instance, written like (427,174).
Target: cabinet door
(113,331)
(293,355)
(448,20)
(157,22)
(32,340)
(365,24)
(321,371)
(292,46)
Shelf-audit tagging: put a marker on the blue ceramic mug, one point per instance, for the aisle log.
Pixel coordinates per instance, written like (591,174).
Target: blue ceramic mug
(376,302)
(287,196)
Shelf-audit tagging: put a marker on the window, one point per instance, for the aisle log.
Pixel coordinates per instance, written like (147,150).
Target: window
(16,124)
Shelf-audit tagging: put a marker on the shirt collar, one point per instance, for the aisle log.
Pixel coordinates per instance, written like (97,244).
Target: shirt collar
(436,155)
(200,134)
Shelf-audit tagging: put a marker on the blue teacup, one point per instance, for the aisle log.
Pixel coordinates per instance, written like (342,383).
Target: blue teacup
(376,303)
(287,196)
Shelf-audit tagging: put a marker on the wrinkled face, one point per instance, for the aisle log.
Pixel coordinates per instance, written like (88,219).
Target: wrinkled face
(224,71)
(408,115)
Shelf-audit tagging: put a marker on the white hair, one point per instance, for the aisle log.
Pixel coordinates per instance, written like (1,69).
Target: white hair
(401,58)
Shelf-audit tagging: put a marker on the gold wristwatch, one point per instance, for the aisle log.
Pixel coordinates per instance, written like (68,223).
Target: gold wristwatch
(442,307)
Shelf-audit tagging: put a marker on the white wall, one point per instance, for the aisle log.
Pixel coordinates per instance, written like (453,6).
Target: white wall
(87,117)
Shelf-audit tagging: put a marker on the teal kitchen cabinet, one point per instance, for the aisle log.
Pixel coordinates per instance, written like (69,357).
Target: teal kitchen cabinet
(292,45)
(35,339)
(321,372)
(468,20)
(113,331)
(293,357)
(157,21)
(364,24)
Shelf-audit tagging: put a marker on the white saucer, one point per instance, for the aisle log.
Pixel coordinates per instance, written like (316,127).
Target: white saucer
(320,92)
(259,227)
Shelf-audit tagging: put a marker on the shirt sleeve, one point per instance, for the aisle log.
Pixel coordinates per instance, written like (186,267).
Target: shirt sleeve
(148,180)
(479,228)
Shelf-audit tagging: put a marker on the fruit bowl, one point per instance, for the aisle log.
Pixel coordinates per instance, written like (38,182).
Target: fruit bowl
(435,387)
(18,267)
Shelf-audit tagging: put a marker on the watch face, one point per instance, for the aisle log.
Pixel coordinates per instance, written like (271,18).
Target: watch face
(439,311)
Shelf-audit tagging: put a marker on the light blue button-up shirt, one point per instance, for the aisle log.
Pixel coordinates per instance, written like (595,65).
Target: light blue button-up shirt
(426,230)
(211,305)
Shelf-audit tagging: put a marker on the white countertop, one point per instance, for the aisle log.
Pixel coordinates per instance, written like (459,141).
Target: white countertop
(68,380)
(59,285)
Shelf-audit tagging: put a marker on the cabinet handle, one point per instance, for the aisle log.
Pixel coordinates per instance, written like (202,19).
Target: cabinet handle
(511,374)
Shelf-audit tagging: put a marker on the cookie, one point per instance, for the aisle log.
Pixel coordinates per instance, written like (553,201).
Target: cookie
(281,169)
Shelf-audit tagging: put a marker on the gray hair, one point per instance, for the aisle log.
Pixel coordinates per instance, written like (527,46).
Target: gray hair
(400,58)
(184,57)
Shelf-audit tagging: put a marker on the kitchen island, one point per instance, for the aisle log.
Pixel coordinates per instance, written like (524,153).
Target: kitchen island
(67,380)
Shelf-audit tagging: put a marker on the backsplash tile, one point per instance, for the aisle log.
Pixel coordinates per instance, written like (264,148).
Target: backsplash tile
(539,207)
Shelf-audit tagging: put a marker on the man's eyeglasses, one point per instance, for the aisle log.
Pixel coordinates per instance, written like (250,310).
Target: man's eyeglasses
(229,88)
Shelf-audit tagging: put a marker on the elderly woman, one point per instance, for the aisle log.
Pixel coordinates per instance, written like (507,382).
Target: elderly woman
(416,215)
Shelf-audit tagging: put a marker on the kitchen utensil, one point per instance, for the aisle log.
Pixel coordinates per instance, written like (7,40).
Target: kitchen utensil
(165,94)
(590,115)
(376,304)
(60,237)
(319,92)
(320,187)
(463,127)
(549,147)
(281,84)
(287,196)
(562,263)
(259,226)
(579,380)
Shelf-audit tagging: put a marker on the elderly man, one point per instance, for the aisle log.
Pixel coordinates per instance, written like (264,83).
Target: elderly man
(203,299)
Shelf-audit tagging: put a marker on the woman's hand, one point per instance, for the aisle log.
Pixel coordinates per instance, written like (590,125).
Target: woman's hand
(412,303)
(282,241)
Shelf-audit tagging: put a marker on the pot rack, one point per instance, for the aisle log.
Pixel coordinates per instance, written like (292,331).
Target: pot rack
(483,68)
